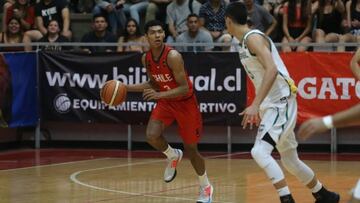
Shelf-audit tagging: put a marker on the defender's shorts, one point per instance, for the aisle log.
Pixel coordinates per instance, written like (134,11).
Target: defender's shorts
(279,119)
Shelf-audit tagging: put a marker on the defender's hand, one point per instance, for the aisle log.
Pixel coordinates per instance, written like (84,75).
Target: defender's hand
(251,116)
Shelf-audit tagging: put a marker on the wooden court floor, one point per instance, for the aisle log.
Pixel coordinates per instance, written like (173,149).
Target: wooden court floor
(139,180)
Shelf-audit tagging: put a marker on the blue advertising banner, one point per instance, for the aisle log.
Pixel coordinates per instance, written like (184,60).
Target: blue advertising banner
(18,93)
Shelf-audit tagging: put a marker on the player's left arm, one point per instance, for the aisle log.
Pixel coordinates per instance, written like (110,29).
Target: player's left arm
(176,64)
(259,46)
(354,64)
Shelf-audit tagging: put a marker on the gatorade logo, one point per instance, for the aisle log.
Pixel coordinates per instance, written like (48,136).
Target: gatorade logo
(62,103)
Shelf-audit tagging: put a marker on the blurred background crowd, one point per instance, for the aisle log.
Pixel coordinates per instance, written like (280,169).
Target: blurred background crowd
(186,21)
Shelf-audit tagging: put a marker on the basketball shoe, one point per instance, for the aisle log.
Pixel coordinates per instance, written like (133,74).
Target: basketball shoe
(325,196)
(170,170)
(205,194)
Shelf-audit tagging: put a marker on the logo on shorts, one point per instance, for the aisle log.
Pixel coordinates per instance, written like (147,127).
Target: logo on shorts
(62,103)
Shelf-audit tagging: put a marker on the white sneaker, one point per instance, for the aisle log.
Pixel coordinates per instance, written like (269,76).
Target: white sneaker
(205,194)
(170,170)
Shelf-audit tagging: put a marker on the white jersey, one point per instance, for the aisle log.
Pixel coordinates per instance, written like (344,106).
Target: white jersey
(283,86)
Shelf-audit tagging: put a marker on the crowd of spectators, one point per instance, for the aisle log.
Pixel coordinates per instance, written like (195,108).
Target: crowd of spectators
(187,21)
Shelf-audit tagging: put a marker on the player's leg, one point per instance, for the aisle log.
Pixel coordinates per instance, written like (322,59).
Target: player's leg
(305,175)
(160,118)
(261,152)
(198,163)
(190,127)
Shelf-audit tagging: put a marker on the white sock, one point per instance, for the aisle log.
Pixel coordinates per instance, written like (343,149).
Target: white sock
(204,181)
(170,152)
(283,191)
(317,187)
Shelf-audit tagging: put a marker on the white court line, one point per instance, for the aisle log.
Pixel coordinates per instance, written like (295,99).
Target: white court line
(59,164)
(75,180)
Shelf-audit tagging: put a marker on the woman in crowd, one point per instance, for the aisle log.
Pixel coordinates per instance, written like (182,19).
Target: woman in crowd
(132,34)
(12,35)
(296,24)
(329,23)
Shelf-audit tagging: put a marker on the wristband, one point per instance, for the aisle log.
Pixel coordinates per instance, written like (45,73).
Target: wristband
(328,122)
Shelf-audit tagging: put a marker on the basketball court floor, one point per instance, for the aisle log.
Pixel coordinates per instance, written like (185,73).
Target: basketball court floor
(92,176)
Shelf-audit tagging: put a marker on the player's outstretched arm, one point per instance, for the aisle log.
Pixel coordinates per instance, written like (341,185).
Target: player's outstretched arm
(354,64)
(141,86)
(259,46)
(344,118)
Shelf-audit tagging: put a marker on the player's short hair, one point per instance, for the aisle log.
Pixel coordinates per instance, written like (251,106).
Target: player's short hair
(152,23)
(237,12)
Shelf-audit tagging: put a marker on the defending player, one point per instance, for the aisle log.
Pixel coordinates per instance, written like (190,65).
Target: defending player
(275,104)
(342,119)
(170,86)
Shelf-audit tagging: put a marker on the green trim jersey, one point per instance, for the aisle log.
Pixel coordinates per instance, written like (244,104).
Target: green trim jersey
(283,86)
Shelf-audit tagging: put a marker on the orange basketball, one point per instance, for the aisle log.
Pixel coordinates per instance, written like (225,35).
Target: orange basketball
(113,93)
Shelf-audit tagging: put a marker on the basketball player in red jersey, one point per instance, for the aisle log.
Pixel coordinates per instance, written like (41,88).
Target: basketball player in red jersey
(169,84)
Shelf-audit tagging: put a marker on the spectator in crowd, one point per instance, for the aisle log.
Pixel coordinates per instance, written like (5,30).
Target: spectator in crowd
(21,10)
(53,36)
(194,35)
(212,17)
(114,11)
(329,19)
(156,10)
(297,22)
(176,14)
(45,11)
(6,6)
(99,34)
(260,18)
(133,8)
(12,35)
(132,33)
(353,18)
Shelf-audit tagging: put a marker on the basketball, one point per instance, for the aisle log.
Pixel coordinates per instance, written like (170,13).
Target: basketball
(113,93)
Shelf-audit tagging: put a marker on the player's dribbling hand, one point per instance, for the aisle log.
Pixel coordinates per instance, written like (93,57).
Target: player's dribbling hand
(310,127)
(251,116)
(150,94)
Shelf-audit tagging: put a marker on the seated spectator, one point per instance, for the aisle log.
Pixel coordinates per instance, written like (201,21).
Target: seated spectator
(23,11)
(212,17)
(12,35)
(45,11)
(297,21)
(329,19)
(132,34)
(99,34)
(113,10)
(133,8)
(53,36)
(353,18)
(176,14)
(156,10)
(194,35)
(260,18)
(6,6)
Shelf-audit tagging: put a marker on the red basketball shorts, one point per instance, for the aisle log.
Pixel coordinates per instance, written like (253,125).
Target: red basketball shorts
(187,115)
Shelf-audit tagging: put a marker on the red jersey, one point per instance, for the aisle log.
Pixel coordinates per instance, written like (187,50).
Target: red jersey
(162,75)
